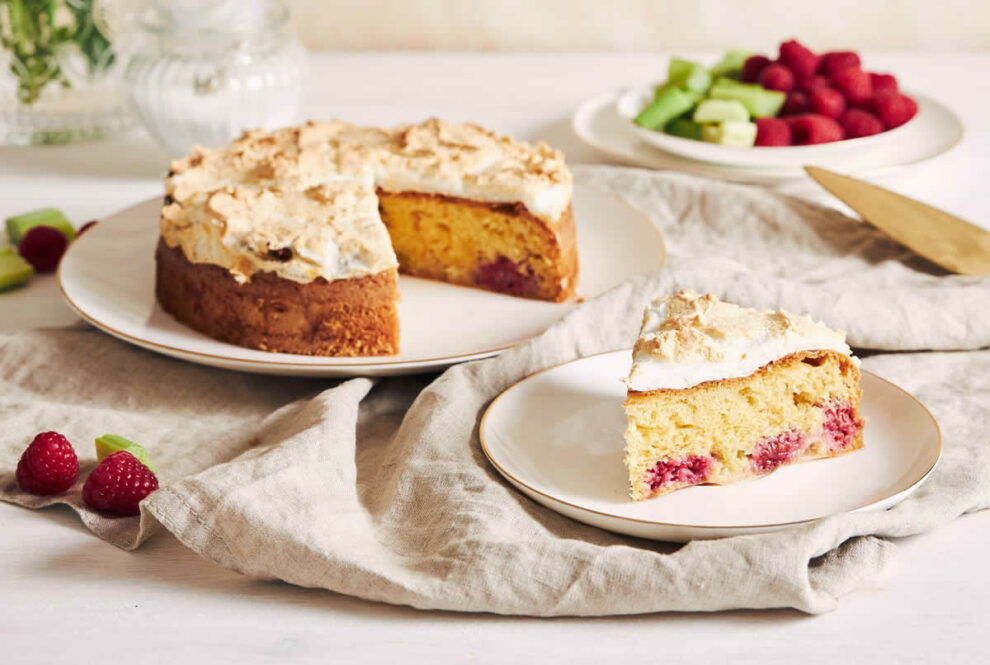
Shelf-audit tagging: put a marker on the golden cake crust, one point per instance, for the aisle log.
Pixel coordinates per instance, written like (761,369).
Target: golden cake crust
(343,317)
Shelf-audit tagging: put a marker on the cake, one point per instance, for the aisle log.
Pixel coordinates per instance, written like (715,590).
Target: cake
(718,393)
(291,240)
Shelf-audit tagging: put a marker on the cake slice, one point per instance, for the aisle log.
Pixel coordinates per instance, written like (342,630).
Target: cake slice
(718,393)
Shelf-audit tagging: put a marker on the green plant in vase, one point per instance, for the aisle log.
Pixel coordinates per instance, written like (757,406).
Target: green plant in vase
(34,32)
(59,71)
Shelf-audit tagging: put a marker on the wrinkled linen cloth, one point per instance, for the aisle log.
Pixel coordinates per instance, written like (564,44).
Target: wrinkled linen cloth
(379,489)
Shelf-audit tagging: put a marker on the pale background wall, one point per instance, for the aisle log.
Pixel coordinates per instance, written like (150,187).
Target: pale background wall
(640,25)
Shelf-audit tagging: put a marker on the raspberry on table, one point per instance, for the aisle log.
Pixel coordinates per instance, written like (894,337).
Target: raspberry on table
(894,109)
(48,465)
(835,61)
(777,77)
(772,132)
(854,84)
(753,66)
(799,58)
(118,484)
(857,123)
(883,83)
(827,102)
(42,247)
(810,129)
(795,104)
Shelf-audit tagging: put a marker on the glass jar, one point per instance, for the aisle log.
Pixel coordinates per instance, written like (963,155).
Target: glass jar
(60,76)
(205,70)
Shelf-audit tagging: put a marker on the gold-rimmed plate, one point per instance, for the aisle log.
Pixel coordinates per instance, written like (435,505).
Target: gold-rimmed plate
(557,436)
(107,277)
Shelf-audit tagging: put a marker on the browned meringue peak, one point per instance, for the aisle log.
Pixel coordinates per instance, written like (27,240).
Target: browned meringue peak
(331,230)
(257,192)
(433,156)
(688,338)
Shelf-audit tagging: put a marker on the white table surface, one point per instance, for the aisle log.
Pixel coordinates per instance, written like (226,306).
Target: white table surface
(67,596)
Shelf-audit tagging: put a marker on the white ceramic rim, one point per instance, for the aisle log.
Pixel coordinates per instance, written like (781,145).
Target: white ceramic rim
(590,111)
(689,148)
(735,528)
(311,362)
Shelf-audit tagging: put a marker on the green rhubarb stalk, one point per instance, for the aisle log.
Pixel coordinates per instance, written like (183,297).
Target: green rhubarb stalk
(29,32)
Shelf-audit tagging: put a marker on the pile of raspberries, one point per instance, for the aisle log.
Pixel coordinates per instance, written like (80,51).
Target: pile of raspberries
(830,97)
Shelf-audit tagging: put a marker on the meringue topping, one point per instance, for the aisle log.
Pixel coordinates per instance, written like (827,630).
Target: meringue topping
(301,201)
(688,338)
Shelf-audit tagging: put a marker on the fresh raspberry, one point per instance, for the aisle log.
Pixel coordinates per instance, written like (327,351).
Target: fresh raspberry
(812,83)
(827,102)
(799,58)
(894,109)
(777,77)
(790,121)
(772,132)
(834,62)
(48,466)
(753,66)
(883,83)
(857,123)
(868,105)
(42,247)
(796,103)
(85,227)
(118,484)
(811,128)
(854,84)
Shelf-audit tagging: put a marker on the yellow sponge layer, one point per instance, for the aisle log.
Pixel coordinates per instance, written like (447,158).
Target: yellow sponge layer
(500,247)
(725,420)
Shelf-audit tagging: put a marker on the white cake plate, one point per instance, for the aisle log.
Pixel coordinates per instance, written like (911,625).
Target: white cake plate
(557,436)
(934,131)
(108,277)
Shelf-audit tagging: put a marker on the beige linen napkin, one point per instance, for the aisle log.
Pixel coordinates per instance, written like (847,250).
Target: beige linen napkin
(380,490)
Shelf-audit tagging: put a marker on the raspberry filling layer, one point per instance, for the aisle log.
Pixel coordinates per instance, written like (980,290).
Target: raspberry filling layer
(841,425)
(771,453)
(506,276)
(689,470)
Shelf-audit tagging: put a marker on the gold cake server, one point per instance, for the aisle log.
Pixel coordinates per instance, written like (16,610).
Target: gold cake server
(944,239)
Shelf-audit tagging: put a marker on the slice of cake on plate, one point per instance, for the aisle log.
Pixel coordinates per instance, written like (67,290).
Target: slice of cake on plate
(291,240)
(718,393)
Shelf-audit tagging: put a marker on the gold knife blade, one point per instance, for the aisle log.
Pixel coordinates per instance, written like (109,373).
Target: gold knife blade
(944,239)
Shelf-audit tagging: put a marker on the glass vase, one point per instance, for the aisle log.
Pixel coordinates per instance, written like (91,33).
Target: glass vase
(205,70)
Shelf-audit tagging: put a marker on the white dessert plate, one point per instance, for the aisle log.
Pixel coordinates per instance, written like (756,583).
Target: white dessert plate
(934,131)
(836,154)
(557,436)
(108,277)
